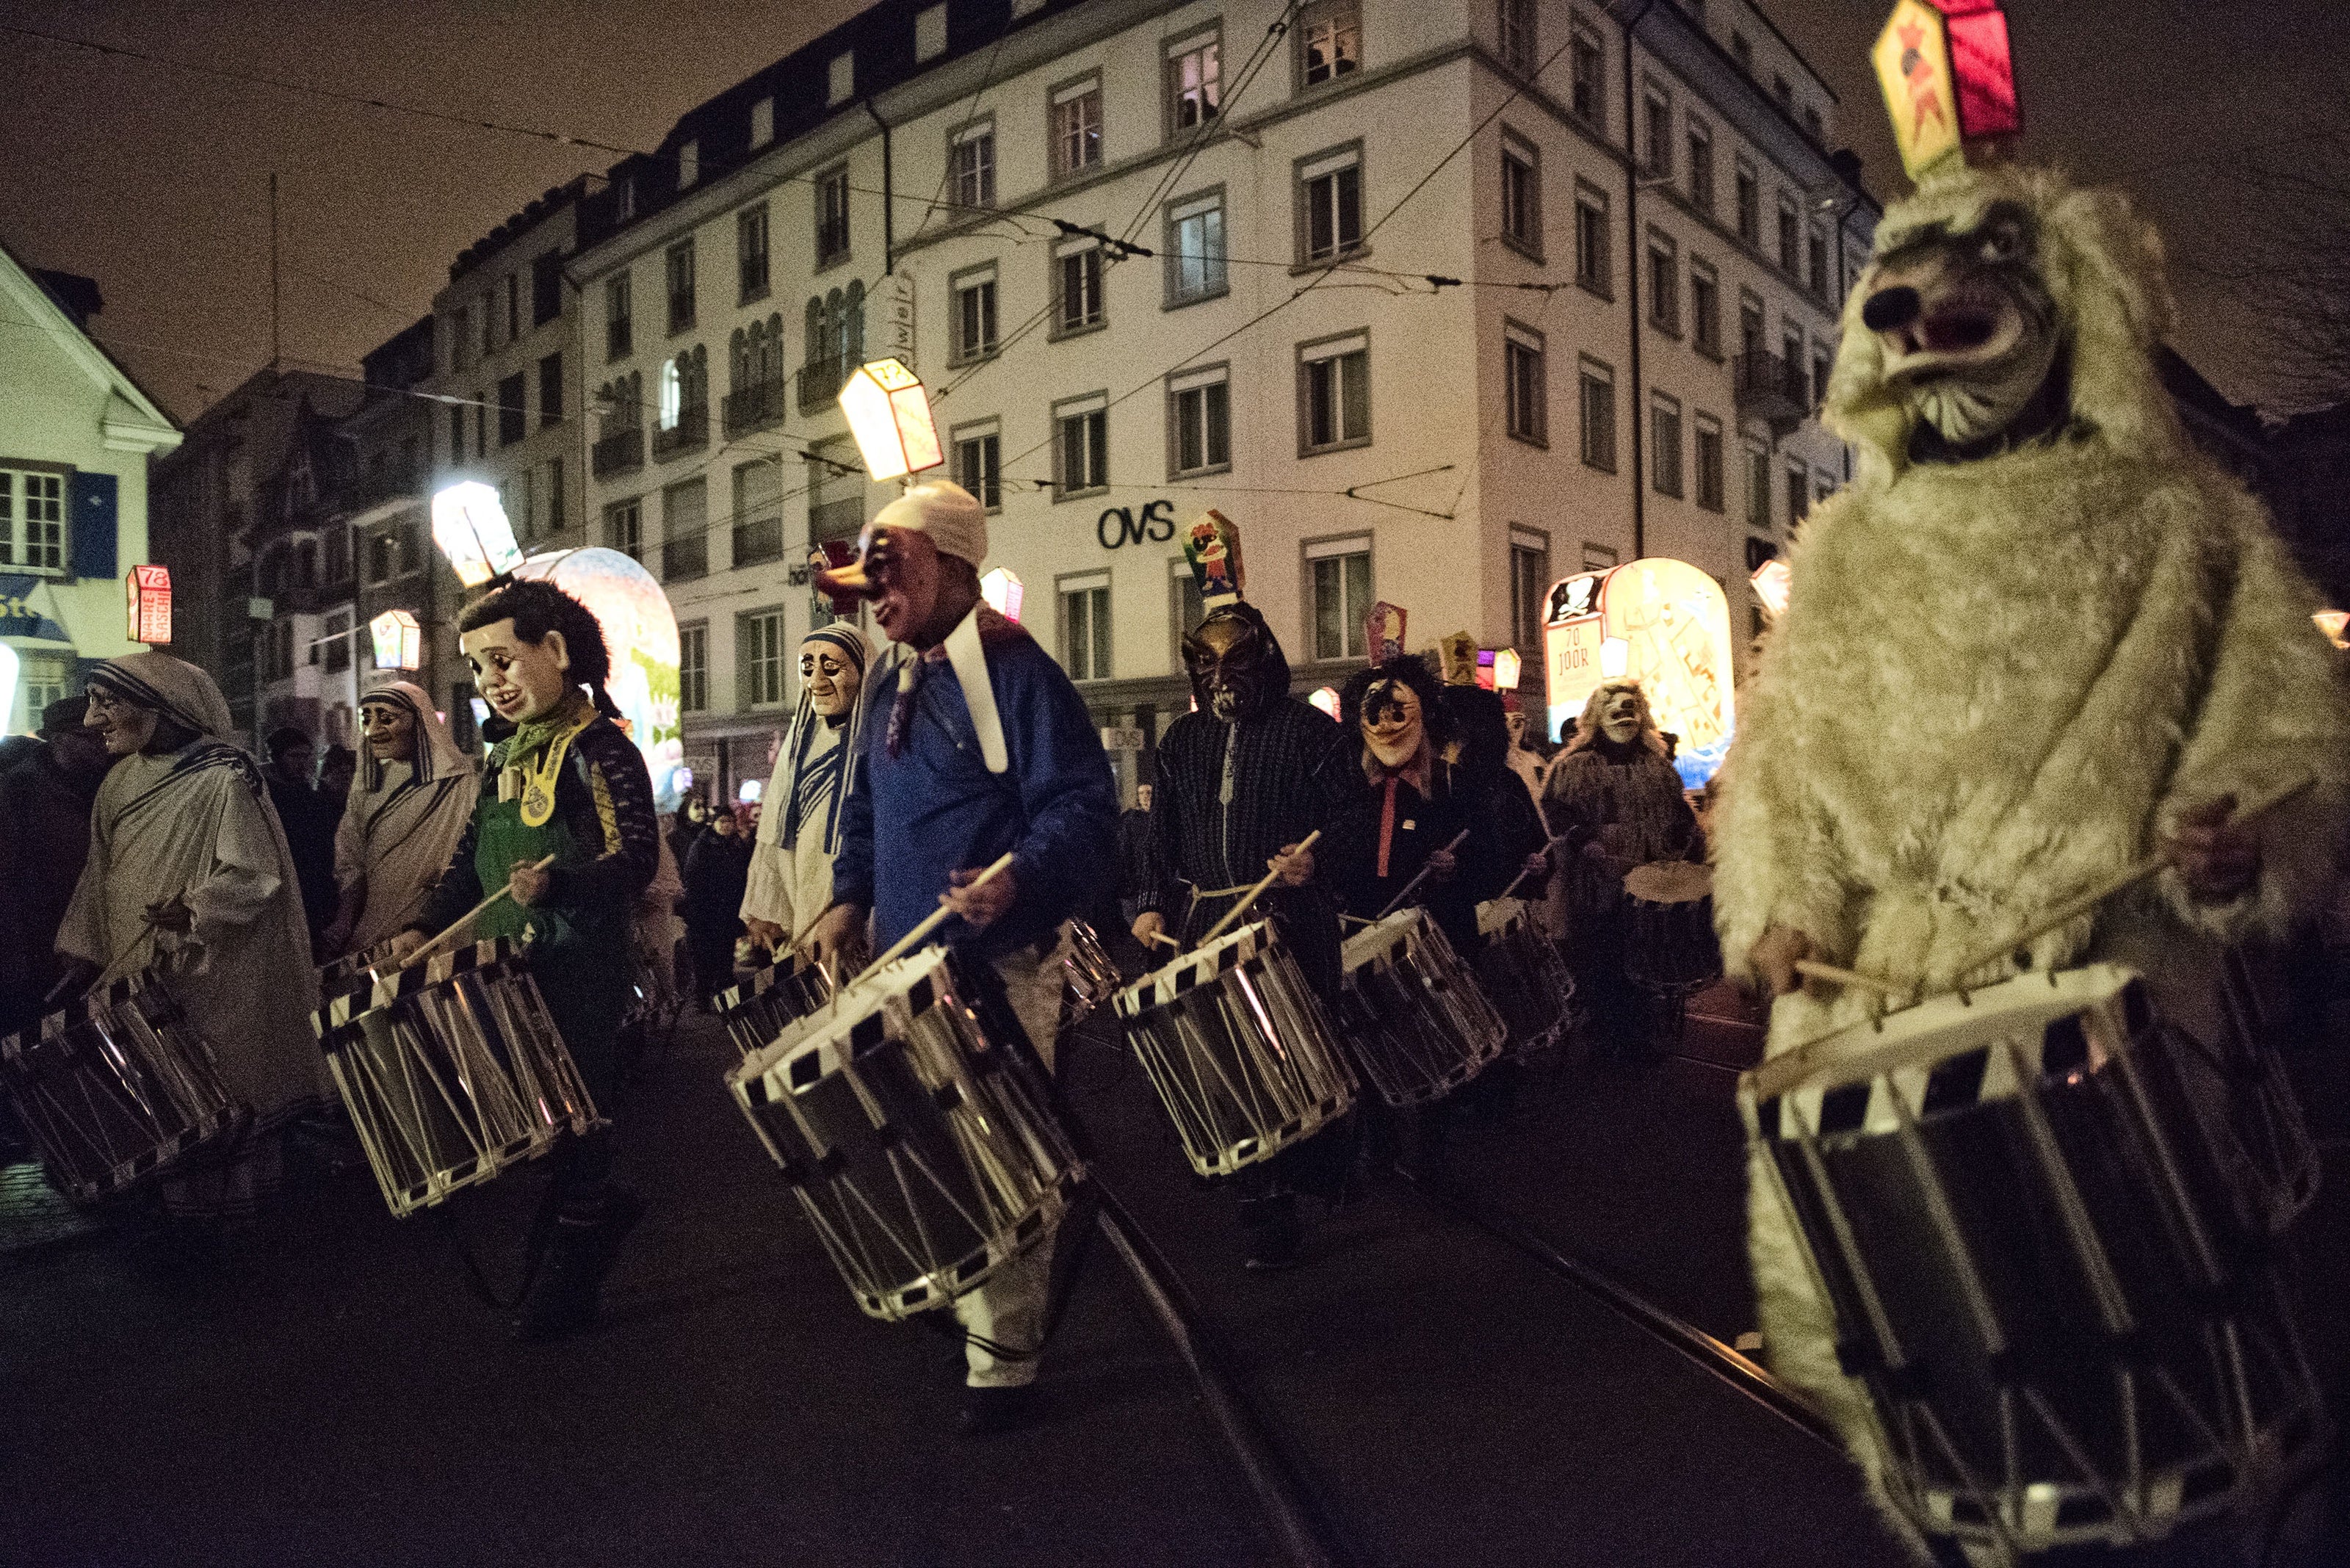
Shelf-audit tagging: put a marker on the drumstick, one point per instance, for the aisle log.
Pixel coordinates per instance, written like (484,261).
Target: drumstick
(1853,978)
(467,919)
(931,921)
(1413,885)
(1548,845)
(1253,894)
(1162,937)
(2081,903)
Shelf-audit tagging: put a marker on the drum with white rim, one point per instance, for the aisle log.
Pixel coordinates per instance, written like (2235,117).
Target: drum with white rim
(452,1071)
(1238,1048)
(1670,949)
(925,1157)
(2049,1260)
(118,1088)
(1089,979)
(769,999)
(1524,976)
(1411,1012)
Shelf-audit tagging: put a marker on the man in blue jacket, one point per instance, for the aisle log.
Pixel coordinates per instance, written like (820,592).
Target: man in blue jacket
(977,744)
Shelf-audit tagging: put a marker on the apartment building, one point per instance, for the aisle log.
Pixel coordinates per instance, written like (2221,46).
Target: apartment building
(1440,302)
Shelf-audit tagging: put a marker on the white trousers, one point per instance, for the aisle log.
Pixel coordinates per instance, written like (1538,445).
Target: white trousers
(1009,1309)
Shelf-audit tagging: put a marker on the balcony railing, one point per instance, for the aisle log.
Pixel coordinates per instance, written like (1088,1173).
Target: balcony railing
(690,433)
(819,382)
(754,408)
(1770,387)
(618,452)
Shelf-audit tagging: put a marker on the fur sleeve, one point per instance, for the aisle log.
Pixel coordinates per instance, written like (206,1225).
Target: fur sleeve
(2276,709)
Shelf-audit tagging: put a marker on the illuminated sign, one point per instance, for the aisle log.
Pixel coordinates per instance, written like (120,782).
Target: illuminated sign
(1948,79)
(470,527)
(147,593)
(1772,583)
(1506,670)
(890,415)
(1662,623)
(398,641)
(1325,698)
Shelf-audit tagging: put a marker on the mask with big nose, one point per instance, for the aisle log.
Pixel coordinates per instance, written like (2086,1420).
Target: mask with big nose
(1393,726)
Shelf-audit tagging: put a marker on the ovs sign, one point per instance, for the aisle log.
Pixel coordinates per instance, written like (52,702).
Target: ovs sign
(1119,525)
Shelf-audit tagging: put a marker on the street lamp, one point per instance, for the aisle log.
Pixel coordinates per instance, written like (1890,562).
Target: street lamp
(890,414)
(398,641)
(470,525)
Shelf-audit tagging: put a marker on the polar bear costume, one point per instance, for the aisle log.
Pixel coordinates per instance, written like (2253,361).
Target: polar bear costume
(2003,672)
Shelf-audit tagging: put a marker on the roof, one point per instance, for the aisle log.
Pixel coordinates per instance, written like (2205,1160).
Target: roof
(551,201)
(133,421)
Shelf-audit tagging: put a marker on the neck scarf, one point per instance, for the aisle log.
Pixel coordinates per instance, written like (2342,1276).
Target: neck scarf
(912,673)
(534,755)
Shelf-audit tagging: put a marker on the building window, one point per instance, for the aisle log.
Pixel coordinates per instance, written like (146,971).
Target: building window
(689,163)
(339,554)
(624,528)
(461,338)
(33,520)
(973,325)
(1194,90)
(334,642)
(1700,166)
(1758,486)
(1750,323)
(456,434)
(1329,41)
(763,123)
(1822,365)
(1200,415)
(832,217)
(1658,109)
(1330,195)
(836,491)
(1195,248)
(1081,446)
(693,668)
(1586,77)
(1515,26)
(1816,261)
(970,166)
(1525,385)
(1341,572)
(1664,282)
(760,637)
(1592,249)
(1799,493)
(979,463)
(1750,203)
(1597,405)
(929,34)
(1791,358)
(1705,309)
(757,530)
(1334,392)
(515,496)
(489,326)
(618,329)
(386,558)
(1078,287)
(681,285)
(546,287)
(513,420)
(1085,629)
(1522,196)
(1184,608)
(550,390)
(1741,49)
(1790,261)
(1077,128)
(514,305)
(840,78)
(1708,462)
(751,254)
(1529,581)
(1665,444)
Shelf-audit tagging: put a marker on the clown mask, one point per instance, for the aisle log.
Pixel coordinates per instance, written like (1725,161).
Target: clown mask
(1392,725)
(520,680)
(1231,672)
(830,680)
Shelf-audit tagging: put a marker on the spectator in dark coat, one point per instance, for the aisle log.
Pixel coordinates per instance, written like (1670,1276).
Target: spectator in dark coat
(1135,876)
(309,824)
(45,802)
(717,874)
(337,769)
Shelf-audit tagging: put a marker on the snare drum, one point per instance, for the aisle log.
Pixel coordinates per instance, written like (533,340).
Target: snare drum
(1417,1024)
(1522,974)
(767,1002)
(1088,976)
(920,1153)
(117,1088)
(451,1072)
(338,977)
(1670,949)
(2047,1260)
(1238,1049)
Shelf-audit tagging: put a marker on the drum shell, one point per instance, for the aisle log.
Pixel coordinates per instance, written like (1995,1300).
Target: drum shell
(1670,948)
(1089,977)
(1523,976)
(770,1000)
(1238,1048)
(1412,1013)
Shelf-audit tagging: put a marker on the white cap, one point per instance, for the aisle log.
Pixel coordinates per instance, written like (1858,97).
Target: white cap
(945,512)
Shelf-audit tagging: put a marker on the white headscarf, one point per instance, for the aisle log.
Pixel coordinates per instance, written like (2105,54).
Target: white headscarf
(432,752)
(172,687)
(791,791)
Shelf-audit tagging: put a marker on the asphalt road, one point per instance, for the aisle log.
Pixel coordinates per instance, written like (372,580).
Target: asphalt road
(332,1394)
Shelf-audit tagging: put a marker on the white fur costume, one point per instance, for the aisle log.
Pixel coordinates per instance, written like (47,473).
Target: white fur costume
(1998,681)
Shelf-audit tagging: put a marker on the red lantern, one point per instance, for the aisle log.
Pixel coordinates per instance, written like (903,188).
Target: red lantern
(147,594)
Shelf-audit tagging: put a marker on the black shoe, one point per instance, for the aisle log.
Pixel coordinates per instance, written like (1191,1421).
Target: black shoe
(995,1408)
(568,1292)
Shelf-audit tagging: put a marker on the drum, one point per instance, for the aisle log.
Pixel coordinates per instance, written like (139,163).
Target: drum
(117,1088)
(924,1156)
(1411,1012)
(1523,975)
(2048,1259)
(768,1001)
(1670,949)
(1089,978)
(1238,1049)
(336,978)
(451,1072)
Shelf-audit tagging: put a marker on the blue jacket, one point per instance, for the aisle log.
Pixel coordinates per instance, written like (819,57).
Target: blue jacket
(936,808)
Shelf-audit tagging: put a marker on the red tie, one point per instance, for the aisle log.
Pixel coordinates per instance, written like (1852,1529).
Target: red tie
(1387,824)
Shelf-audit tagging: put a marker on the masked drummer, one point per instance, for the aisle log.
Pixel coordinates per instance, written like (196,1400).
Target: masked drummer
(799,825)
(563,782)
(1243,782)
(1615,800)
(978,746)
(408,808)
(188,867)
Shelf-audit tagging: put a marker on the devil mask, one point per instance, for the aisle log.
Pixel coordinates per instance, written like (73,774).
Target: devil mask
(1237,669)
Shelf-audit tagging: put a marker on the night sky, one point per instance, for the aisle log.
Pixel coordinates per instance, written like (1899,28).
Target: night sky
(155,180)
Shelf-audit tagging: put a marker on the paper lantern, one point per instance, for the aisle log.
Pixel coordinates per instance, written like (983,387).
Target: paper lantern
(470,525)
(1325,698)
(2335,625)
(1507,668)
(1948,76)
(1003,590)
(146,592)
(1663,623)
(398,641)
(890,414)
(1772,583)
(749,791)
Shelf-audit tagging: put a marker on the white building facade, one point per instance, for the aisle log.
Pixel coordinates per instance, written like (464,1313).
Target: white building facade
(1407,375)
